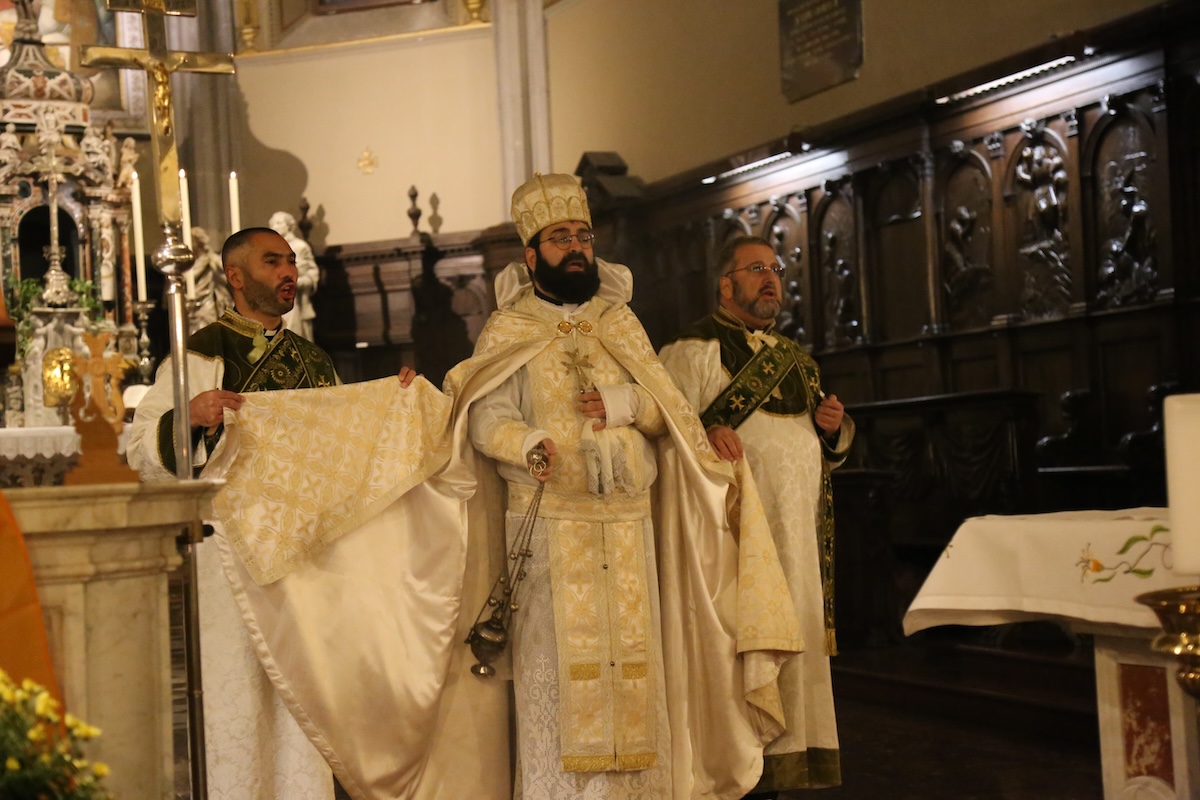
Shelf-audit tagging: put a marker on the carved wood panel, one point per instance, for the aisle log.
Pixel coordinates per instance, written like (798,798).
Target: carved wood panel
(1037,199)
(975,365)
(968,279)
(899,273)
(1120,160)
(785,227)
(835,245)
(1132,356)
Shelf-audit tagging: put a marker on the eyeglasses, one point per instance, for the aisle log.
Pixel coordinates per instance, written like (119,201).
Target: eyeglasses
(758,268)
(564,242)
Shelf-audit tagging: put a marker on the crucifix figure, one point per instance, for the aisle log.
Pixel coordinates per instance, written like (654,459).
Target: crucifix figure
(160,63)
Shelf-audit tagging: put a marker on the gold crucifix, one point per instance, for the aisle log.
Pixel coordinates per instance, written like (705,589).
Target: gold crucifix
(159,63)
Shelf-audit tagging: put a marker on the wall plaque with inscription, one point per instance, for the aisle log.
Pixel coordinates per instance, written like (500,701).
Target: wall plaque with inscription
(820,45)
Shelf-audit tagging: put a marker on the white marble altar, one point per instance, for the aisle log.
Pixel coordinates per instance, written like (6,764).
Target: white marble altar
(101,556)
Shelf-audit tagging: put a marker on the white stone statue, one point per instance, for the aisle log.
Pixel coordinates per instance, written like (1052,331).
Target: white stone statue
(300,318)
(212,290)
(129,156)
(96,153)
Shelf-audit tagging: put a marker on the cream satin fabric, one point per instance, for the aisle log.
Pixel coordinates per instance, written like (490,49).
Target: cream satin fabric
(361,636)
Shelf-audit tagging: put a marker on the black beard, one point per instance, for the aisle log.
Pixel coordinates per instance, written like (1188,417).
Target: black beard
(569,287)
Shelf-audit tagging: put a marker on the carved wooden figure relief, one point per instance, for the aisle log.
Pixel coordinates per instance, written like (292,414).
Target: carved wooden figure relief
(967,276)
(1127,271)
(1041,180)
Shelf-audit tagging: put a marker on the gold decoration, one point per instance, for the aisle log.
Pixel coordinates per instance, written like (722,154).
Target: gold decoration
(59,381)
(474,9)
(368,161)
(99,414)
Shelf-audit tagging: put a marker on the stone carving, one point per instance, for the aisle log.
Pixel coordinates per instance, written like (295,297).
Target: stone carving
(10,152)
(97,155)
(128,163)
(212,289)
(300,318)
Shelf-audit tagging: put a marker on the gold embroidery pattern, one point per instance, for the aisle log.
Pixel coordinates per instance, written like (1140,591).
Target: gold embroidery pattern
(585,672)
(602,623)
(297,485)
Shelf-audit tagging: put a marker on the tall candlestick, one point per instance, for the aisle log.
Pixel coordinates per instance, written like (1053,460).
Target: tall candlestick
(1181,420)
(235,204)
(139,240)
(186,210)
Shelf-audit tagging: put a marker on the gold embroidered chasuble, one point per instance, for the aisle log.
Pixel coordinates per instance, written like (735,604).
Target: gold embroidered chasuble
(601,622)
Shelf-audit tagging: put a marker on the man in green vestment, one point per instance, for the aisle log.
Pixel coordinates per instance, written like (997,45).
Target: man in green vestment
(255,749)
(759,395)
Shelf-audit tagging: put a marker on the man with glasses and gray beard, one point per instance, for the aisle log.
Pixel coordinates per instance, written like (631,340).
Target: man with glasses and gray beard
(759,395)
(564,374)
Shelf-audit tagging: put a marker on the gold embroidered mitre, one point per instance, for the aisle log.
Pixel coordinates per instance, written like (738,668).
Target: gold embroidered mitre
(544,200)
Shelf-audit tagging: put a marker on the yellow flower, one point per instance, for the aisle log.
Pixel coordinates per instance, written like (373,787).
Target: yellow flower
(44,705)
(86,731)
(6,694)
(100,768)
(71,721)
(29,686)
(80,763)
(36,734)
(12,765)
(45,758)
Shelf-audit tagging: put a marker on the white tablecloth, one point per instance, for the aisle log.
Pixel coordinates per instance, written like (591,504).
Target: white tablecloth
(1077,566)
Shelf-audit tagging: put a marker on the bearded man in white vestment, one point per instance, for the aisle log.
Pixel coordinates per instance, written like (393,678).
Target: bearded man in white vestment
(604,706)
(254,748)
(759,396)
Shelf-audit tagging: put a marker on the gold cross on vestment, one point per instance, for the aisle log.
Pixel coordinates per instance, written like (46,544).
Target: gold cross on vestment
(159,62)
(579,362)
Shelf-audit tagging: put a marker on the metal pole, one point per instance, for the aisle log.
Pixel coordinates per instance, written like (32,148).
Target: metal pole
(174,259)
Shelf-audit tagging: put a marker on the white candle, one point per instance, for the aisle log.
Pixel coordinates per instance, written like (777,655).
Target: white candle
(186,212)
(235,204)
(1181,418)
(139,240)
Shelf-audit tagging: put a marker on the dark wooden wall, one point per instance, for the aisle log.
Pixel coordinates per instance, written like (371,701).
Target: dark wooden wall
(1041,237)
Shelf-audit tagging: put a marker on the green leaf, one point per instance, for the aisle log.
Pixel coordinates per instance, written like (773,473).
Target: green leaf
(1142,572)
(1130,542)
(1105,580)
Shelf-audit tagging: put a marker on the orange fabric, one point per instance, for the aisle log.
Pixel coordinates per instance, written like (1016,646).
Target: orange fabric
(24,649)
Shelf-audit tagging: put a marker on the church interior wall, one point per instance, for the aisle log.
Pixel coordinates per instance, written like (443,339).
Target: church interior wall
(674,84)
(425,107)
